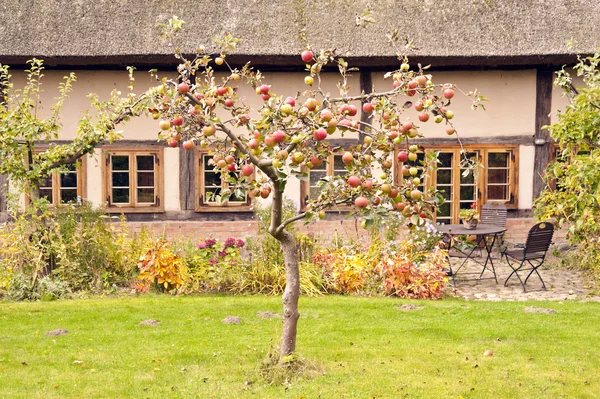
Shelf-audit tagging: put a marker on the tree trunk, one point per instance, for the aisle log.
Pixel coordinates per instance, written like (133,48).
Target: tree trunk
(290,295)
(292,273)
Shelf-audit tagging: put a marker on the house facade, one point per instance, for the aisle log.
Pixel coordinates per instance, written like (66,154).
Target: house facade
(506,50)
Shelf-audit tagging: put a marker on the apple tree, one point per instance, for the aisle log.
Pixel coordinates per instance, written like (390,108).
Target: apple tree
(572,196)
(259,150)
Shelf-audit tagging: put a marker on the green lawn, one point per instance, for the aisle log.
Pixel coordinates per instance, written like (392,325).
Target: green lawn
(366,348)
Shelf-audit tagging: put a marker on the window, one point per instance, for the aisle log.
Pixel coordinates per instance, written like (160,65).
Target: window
(63,187)
(210,187)
(133,179)
(333,166)
(495,182)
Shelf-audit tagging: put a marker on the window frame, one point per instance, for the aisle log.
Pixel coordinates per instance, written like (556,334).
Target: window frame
(133,206)
(329,171)
(483,151)
(203,206)
(55,179)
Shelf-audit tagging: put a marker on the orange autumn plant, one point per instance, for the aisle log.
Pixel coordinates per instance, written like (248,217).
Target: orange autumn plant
(343,271)
(160,266)
(413,274)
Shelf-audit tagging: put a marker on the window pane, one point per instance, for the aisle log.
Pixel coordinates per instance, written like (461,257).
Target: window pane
(497,176)
(212,179)
(120,179)
(314,192)
(338,164)
(145,162)
(145,195)
(145,179)
(210,193)
(120,162)
(446,193)
(314,177)
(68,195)
(497,192)
(497,159)
(46,193)
(234,198)
(68,180)
(444,176)
(444,210)
(120,195)
(470,179)
(446,159)
(46,182)
(467,193)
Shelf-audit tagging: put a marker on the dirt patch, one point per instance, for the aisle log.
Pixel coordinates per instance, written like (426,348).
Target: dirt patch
(232,320)
(268,315)
(55,333)
(533,309)
(409,307)
(149,322)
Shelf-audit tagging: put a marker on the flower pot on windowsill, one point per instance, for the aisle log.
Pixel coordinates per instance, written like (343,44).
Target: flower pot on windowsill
(470,224)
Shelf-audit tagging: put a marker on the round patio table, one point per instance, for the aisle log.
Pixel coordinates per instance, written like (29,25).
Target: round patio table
(482,232)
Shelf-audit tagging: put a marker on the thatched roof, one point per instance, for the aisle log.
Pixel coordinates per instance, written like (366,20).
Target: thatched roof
(449,32)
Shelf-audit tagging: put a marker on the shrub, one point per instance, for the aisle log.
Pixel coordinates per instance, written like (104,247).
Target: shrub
(213,266)
(405,277)
(162,268)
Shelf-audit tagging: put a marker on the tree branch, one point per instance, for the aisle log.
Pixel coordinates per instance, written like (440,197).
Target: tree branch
(291,220)
(72,158)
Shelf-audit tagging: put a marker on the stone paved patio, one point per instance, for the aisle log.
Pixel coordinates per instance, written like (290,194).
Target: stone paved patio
(561,284)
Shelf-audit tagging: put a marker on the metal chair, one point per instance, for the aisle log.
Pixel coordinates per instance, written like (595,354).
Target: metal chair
(494,213)
(533,253)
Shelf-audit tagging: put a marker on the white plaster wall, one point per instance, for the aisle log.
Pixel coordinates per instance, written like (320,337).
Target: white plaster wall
(101,83)
(171,179)
(559,100)
(526,160)
(510,110)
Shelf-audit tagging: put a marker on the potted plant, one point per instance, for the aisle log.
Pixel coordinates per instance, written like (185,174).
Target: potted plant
(469,217)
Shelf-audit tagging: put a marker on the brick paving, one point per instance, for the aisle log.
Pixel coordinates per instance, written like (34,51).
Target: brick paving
(561,284)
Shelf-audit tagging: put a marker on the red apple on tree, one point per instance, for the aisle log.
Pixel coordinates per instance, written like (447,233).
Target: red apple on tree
(320,134)
(402,156)
(264,89)
(247,170)
(316,161)
(354,181)
(368,107)
(347,158)
(307,56)
(183,88)
(188,144)
(279,136)
(361,202)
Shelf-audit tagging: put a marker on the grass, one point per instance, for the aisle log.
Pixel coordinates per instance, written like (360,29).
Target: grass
(365,347)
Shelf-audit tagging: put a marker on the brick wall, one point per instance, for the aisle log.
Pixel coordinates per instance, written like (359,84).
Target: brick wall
(517,230)
(344,229)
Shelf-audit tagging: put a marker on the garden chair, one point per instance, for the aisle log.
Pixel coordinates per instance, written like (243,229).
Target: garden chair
(532,255)
(494,213)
